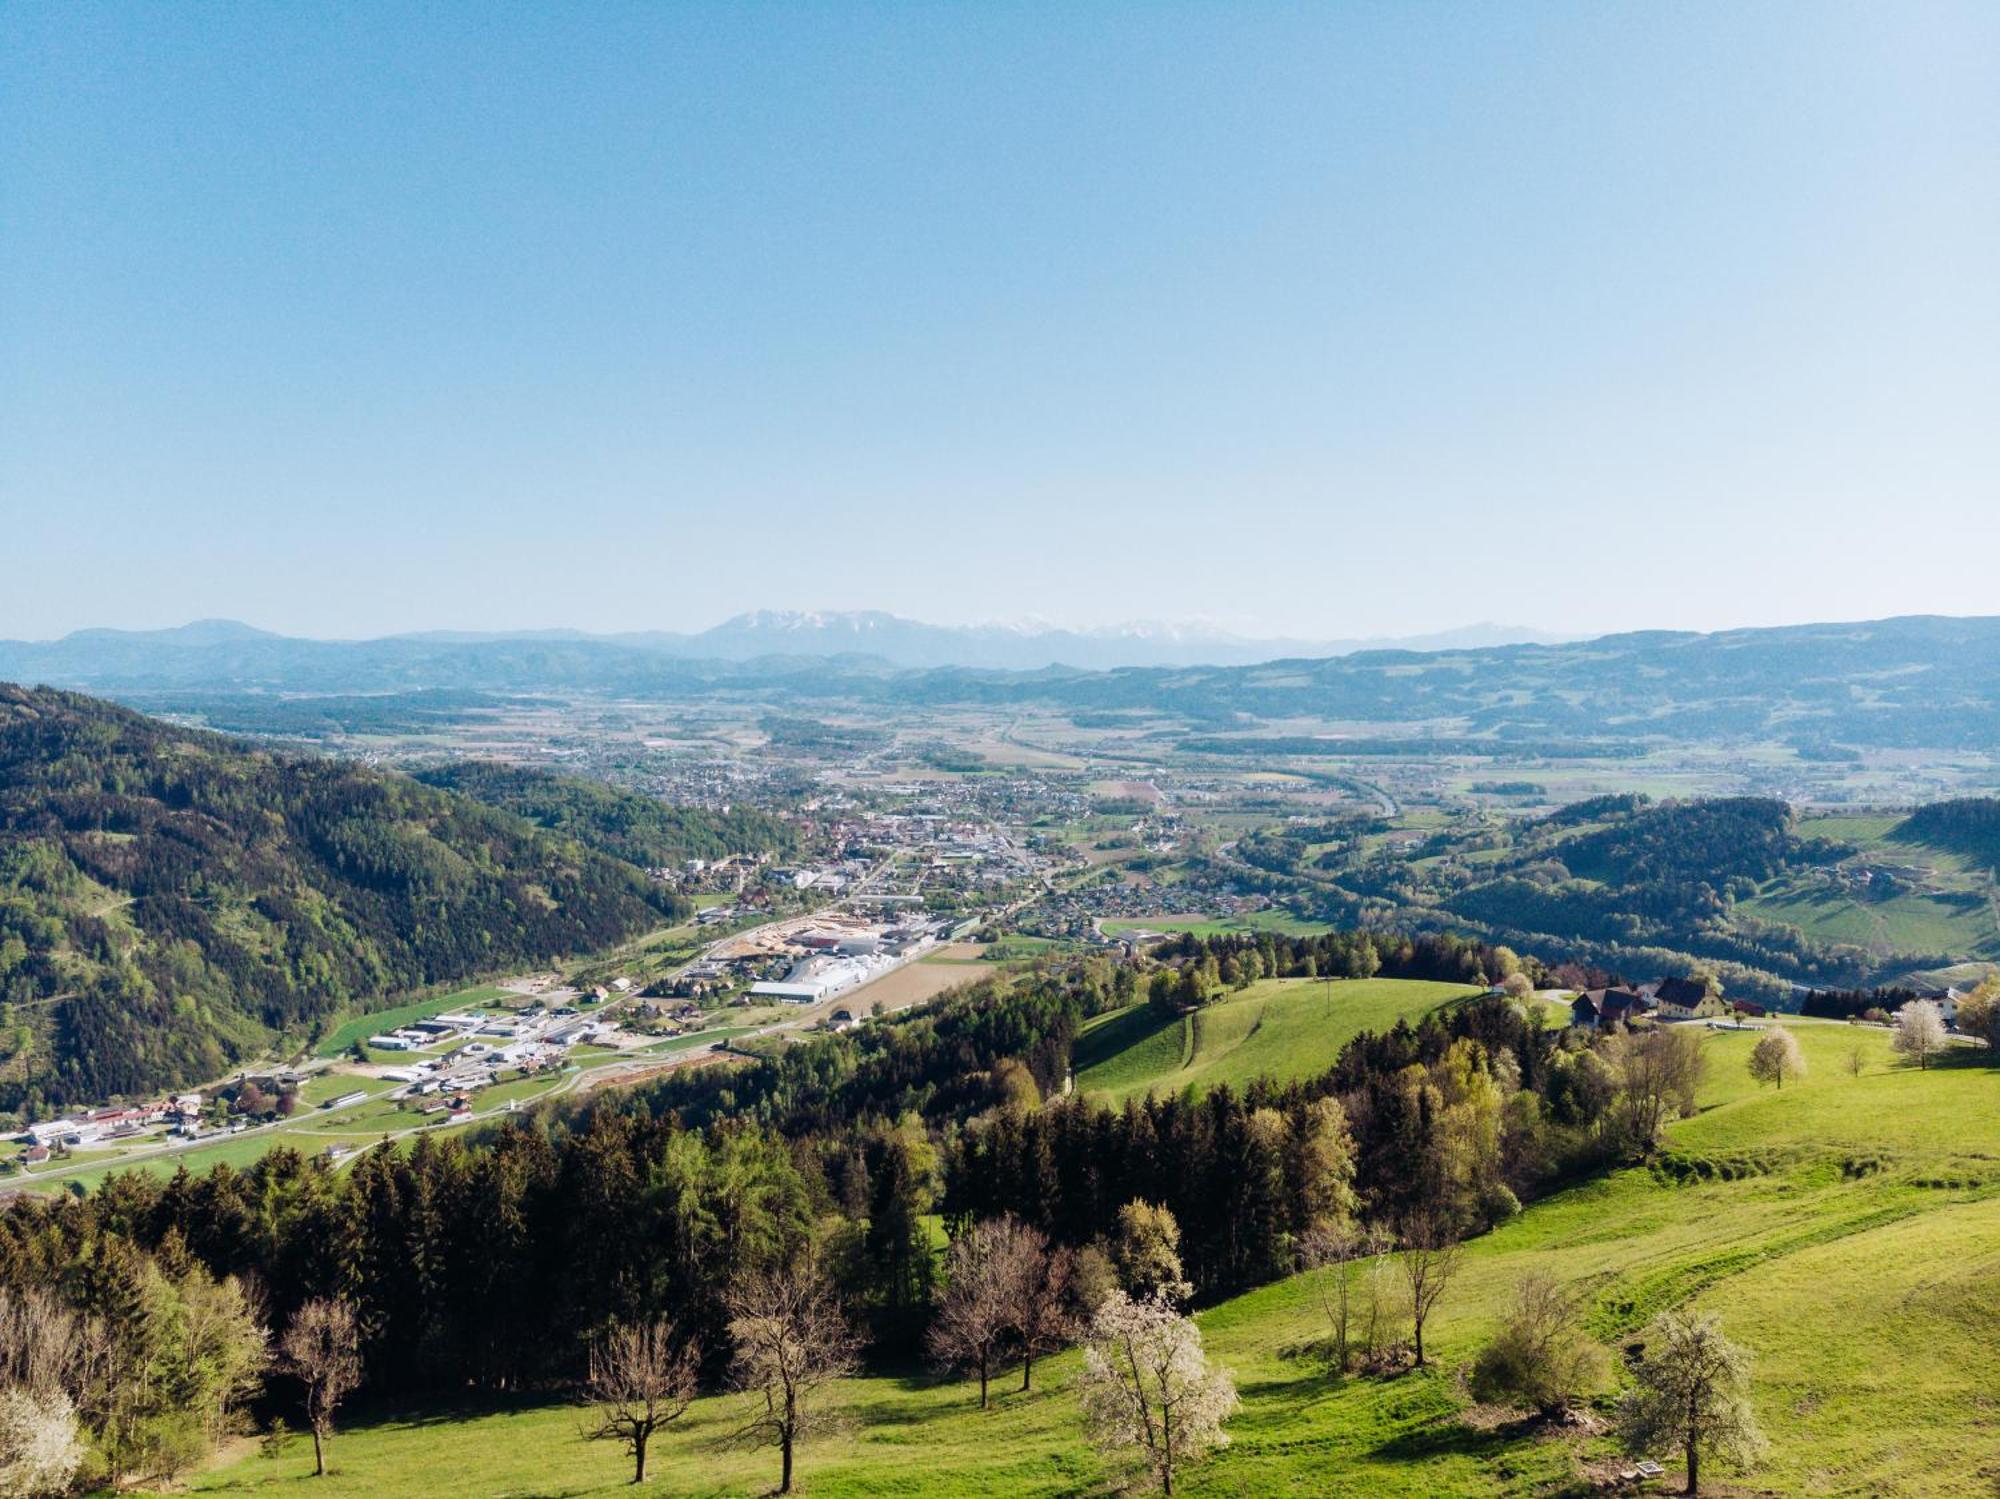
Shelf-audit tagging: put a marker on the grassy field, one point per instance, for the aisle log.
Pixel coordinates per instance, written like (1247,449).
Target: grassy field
(1912,922)
(1204,926)
(1866,1300)
(1284,1028)
(1847,1230)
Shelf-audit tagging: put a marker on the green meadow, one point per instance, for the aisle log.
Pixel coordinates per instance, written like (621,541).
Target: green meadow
(1282,1028)
(1204,926)
(1846,1228)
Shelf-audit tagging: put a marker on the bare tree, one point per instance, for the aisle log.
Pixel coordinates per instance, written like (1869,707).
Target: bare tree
(986,1272)
(1328,1252)
(1658,1070)
(42,1342)
(1541,1356)
(1919,1033)
(1431,1254)
(791,1340)
(1777,1056)
(1147,1388)
(1382,1297)
(1692,1391)
(1857,1062)
(322,1350)
(641,1379)
(1045,1298)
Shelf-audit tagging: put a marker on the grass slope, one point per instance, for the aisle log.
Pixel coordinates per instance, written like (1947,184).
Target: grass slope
(1283,1028)
(1847,1229)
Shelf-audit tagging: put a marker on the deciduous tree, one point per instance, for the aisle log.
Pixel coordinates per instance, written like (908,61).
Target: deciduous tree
(40,1445)
(1148,1391)
(1692,1392)
(1431,1253)
(1777,1056)
(791,1340)
(1541,1357)
(1919,1033)
(986,1270)
(641,1378)
(1328,1254)
(322,1350)
(1658,1071)
(1146,1251)
(1045,1298)
(1979,1014)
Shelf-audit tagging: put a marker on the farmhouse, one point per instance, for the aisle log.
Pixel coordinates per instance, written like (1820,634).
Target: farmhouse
(1684,999)
(1598,1007)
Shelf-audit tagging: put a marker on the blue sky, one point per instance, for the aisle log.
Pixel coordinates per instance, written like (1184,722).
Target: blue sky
(1325,320)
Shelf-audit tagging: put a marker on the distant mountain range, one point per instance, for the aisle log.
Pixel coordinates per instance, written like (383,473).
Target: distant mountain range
(1921,681)
(99,655)
(1032,646)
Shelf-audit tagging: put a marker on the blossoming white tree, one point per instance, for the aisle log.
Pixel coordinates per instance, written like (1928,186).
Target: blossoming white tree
(40,1448)
(1692,1390)
(1919,1032)
(1776,1057)
(1149,1395)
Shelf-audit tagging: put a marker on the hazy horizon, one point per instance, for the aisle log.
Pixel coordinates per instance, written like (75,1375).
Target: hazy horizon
(1314,324)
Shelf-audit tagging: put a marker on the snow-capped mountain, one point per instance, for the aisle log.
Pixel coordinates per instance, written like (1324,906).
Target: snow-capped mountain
(1030,644)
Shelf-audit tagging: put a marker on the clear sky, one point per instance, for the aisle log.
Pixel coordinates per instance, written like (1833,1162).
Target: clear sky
(1325,319)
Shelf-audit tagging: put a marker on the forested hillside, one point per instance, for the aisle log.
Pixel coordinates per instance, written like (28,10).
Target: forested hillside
(1619,880)
(1969,826)
(171,900)
(638,829)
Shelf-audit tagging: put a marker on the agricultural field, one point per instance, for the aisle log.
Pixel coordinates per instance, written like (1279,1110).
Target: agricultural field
(1203,926)
(1913,922)
(1843,1228)
(913,983)
(1278,1028)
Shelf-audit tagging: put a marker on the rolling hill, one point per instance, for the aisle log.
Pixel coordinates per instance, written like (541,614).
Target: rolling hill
(1741,884)
(172,901)
(1283,1029)
(1919,681)
(636,829)
(1843,1229)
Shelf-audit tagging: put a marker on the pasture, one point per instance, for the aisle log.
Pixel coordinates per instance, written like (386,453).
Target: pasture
(1281,1028)
(1858,1269)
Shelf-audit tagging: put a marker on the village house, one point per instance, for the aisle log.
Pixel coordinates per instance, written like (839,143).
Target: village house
(1600,1007)
(1685,999)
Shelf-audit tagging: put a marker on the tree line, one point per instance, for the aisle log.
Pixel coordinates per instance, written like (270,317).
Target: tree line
(660,1233)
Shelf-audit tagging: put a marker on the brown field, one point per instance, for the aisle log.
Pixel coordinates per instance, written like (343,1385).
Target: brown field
(914,983)
(1141,791)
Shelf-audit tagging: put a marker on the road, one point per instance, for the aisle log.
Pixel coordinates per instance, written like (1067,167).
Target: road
(635,1063)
